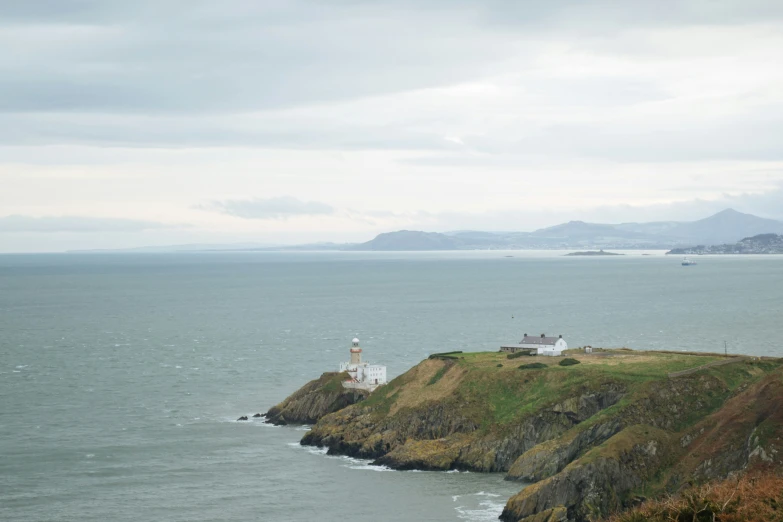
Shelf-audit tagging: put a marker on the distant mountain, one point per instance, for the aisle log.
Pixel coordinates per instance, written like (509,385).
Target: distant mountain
(760,244)
(411,240)
(580,230)
(727,226)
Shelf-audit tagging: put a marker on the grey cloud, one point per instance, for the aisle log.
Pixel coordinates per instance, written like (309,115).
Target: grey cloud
(272,208)
(192,57)
(17,223)
(208,131)
(181,56)
(91,71)
(751,135)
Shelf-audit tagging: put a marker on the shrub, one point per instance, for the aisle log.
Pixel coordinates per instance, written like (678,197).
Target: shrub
(533,366)
(568,362)
(446,355)
(500,365)
(755,497)
(517,354)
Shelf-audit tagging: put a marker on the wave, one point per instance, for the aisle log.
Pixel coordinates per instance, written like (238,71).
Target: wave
(371,467)
(485,512)
(313,450)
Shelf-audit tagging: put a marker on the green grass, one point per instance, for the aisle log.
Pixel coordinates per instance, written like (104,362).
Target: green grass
(494,396)
(334,383)
(439,374)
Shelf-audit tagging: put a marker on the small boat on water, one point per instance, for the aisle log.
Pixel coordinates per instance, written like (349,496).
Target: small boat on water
(687,262)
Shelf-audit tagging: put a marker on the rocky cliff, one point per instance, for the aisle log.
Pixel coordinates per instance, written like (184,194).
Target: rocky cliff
(594,437)
(315,399)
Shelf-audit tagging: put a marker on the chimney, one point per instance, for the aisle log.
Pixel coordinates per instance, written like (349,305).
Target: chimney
(561,336)
(525,335)
(543,335)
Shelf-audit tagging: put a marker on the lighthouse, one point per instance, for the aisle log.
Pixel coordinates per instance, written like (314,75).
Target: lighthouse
(363,375)
(356,352)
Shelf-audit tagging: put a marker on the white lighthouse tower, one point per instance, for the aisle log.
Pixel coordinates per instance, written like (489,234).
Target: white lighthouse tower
(356,352)
(363,376)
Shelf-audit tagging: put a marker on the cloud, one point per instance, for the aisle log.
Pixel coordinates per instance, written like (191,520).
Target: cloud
(17,223)
(632,81)
(280,208)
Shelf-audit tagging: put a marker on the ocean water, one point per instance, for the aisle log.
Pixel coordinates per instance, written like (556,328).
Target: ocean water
(121,375)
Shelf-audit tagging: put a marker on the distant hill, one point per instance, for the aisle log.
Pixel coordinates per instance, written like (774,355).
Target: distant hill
(410,240)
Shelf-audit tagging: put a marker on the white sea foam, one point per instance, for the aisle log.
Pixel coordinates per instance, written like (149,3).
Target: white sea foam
(263,422)
(487,510)
(370,467)
(313,450)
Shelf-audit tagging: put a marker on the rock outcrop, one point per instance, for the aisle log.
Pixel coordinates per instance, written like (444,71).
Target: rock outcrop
(314,400)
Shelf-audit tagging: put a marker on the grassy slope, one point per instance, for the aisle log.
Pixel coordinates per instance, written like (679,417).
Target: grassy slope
(501,395)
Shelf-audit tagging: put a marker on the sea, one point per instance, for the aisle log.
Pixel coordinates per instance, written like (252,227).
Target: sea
(122,375)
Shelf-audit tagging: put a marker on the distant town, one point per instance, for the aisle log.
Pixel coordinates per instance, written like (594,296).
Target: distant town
(760,244)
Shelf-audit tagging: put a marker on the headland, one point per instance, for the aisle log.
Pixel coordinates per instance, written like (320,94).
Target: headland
(586,435)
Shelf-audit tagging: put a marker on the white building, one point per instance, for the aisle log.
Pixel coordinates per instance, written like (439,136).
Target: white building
(363,376)
(542,345)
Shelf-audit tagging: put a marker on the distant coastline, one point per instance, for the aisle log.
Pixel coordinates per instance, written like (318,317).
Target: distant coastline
(759,244)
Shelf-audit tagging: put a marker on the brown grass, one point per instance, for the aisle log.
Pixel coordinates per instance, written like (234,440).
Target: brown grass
(754,497)
(417,390)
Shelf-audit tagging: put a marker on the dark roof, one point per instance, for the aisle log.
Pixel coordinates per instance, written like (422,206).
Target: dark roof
(531,339)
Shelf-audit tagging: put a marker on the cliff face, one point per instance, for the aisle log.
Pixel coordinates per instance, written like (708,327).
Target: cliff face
(594,437)
(693,444)
(315,399)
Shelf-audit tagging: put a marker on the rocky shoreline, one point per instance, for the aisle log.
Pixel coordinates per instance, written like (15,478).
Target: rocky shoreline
(593,438)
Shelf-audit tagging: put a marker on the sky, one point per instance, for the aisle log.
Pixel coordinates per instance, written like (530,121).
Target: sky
(159,122)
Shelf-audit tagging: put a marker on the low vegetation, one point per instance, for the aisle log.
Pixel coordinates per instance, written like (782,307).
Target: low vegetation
(533,366)
(568,361)
(446,355)
(516,355)
(753,497)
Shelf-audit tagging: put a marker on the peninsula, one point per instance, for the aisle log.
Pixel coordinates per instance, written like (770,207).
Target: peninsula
(585,435)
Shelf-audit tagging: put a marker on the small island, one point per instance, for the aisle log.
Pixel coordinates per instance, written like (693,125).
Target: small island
(594,253)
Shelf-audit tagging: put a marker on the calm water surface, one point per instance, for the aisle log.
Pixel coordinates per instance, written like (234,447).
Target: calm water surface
(121,375)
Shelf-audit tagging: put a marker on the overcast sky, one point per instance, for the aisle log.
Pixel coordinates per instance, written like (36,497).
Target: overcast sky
(179,121)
